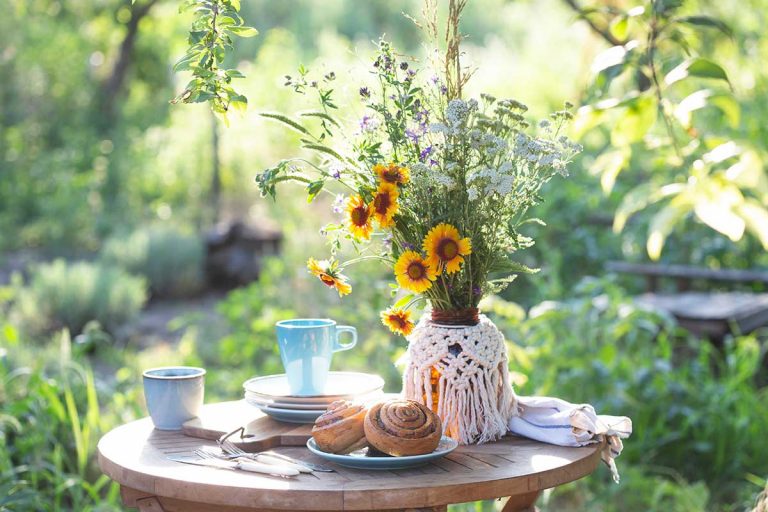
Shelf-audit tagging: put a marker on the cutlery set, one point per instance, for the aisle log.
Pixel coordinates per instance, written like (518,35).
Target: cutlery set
(229,456)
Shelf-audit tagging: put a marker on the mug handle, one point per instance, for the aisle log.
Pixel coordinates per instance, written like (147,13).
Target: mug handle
(338,347)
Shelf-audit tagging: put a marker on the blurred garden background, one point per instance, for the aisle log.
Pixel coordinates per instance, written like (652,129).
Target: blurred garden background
(111,200)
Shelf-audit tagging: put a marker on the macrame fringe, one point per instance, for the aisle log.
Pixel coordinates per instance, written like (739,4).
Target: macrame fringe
(475,400)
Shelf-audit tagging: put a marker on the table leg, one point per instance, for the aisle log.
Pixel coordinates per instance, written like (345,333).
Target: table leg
(522,502)
(150,504)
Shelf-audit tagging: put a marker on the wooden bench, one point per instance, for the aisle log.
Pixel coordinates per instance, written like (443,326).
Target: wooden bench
(706,314)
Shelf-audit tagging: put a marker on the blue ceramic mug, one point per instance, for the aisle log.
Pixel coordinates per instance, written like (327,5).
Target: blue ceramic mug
(174,394)
(306,348)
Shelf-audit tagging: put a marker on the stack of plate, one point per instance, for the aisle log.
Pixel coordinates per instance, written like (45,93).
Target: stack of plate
(271,395)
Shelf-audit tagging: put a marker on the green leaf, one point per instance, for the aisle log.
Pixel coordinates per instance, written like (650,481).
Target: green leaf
(714,206)
(404,300)
(639,117)
(196,36)
(619,27)
(313,189)
(698,67)
(706,21)
(662,225)
(609,165)
(510,266)
(285,120)
(756,218)
(612,57)
(243,31)
(186,62)
(641,197)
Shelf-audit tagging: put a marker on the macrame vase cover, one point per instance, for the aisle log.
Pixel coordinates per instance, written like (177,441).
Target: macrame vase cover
(474,396)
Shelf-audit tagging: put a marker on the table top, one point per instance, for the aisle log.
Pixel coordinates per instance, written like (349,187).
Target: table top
(134,455)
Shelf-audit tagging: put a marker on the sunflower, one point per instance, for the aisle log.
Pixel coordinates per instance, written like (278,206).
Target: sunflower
(444,248)
(398,320)
(328,273)
(359,218)
(384,205)
(392,173)
(413,273)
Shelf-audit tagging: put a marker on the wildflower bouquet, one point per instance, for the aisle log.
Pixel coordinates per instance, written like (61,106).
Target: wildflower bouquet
(437,187)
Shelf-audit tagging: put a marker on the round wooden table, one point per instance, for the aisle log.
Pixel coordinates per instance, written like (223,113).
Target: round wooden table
(134,455)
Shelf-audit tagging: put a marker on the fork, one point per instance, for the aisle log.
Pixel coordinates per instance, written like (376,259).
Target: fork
(255,467)
(230,448)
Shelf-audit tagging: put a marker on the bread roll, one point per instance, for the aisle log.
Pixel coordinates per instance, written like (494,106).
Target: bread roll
(340,428)
(402,427)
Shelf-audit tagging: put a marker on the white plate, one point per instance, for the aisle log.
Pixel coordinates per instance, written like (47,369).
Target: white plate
(340,386)
(260,401)
(290,415)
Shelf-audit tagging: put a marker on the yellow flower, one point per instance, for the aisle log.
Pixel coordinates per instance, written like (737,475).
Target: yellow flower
(413,273)
(398,320)
(392,173)
(384,205)
(328,273)
(444,248)
(359,218)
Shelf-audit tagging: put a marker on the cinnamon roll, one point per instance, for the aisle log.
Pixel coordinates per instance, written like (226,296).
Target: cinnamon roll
(402,427)
(340,428)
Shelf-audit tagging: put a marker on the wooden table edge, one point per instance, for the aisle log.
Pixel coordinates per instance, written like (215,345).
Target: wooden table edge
(350,499)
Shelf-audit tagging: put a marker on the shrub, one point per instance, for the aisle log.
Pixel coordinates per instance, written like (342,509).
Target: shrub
(61,294)
(697,411)
(50,423)
(171,260)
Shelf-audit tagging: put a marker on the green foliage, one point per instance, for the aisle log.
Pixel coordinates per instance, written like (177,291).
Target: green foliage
(170,260)
(661,100)
(640,489)
(50,422)
(216,23)
(696,411)
(69,295)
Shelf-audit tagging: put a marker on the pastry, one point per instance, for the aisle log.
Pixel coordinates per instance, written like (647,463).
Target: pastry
(402,427)
(340,428)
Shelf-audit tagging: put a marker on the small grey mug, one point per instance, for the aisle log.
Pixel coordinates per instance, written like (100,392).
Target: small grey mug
(174,394)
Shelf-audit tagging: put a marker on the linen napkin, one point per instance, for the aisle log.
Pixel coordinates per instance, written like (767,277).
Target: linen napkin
(555,421)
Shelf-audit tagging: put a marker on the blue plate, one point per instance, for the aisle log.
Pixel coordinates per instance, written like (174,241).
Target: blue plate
(361,460)
(289,415)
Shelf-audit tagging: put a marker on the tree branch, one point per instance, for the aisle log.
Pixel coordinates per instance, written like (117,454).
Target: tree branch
(114,84)
(601,31)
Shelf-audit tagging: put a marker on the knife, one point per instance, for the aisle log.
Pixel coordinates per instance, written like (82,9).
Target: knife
(267,459)
(254,467)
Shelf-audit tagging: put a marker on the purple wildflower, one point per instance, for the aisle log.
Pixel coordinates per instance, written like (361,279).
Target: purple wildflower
(365,93)
(476,290)
(368,124)
(425,153)
(338,204)
(409,246)
(412,136)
